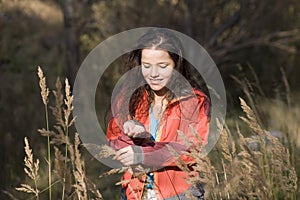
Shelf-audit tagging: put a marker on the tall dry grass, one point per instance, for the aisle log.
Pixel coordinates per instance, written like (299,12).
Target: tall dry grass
(66,168)
(44,95)
(31,169)
(254,167)
(248,162)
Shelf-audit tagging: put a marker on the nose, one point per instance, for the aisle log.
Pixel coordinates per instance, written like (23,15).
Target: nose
(154,72)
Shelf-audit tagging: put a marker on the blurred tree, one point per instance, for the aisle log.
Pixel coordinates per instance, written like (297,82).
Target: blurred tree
(71,18)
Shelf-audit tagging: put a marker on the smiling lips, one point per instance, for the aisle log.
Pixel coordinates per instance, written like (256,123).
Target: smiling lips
(155,81)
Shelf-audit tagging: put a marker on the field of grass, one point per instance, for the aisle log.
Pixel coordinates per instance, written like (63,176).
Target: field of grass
(255,157)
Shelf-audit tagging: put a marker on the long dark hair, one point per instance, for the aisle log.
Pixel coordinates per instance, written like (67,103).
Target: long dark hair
(163,39)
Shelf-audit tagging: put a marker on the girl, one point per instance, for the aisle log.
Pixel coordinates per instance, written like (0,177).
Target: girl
(170,100)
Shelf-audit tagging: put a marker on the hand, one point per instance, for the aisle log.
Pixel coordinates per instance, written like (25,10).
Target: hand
(134,129)
(130,155)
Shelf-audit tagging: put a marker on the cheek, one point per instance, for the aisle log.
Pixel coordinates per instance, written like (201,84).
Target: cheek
(144,72)
(168,73)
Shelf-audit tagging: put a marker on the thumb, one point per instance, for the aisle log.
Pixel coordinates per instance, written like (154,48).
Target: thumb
(126,127)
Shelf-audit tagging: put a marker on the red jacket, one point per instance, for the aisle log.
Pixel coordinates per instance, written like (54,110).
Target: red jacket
(180,114)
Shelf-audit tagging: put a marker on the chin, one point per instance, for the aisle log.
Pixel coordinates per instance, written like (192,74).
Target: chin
(156,88)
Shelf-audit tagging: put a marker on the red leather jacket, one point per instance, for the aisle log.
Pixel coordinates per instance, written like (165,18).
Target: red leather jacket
(180,114)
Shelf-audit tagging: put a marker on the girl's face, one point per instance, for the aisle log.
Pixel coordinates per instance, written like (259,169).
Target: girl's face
(157,68)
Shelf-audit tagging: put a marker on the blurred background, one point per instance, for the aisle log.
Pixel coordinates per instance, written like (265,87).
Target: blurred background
(242,36)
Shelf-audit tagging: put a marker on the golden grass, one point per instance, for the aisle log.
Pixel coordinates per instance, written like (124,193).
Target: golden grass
(31,169)
(44,95)
(79,172)
(247,163)
(69,166)
(43,86)
(283,119)
(236,171)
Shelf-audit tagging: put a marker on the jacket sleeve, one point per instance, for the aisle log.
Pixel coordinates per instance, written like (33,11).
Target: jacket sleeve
(155,153)
(194,120)
(116,139)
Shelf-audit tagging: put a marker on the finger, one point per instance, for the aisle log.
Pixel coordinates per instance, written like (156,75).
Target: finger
(141,135)
(124,150)
(126,163)
(130,133)
(119,153)
(137,130)
(126,128)
(128,160)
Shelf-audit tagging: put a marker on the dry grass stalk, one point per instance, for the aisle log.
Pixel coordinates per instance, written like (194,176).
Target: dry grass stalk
(63,174)
(288,125)
(44,89)
(100,151)
(63,125)
(221,177)
(28,189)
(68,103)
(257,83)
(44,94)
(57,110)
(287,86)
(249,90)
(105,150)
(9,194)
(179,162)
(251,118)
(241,172)
(60,138)
(224,145)
(92,187)
(115,171)
(31,169)
(46,133)
(280,164)
(200,169)
(69,167)
(79,172)
(274,163)
(249,167)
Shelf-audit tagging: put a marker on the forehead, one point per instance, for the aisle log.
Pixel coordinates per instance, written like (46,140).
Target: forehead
(155,54)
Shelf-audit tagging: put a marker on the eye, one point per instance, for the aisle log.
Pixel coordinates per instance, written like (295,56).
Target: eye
(146,65)
(163,66)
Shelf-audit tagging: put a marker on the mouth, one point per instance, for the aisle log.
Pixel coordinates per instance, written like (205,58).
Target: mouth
(155,81)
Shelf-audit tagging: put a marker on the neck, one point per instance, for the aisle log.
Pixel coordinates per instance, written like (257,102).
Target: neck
(160,101)
(160,94)
(158,97)
(159,105)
